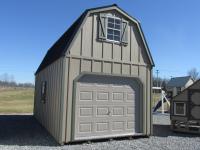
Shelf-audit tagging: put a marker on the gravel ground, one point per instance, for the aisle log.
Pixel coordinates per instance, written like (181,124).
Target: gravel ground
(23,132)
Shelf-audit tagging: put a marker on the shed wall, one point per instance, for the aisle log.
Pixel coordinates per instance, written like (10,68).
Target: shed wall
(87,54)
(183,97)
(49,114)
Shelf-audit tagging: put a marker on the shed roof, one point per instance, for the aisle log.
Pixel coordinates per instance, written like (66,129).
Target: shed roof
(178,81)
(61,46)
(189,87)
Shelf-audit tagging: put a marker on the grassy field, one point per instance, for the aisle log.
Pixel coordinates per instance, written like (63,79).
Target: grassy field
(16,100)
(20,100)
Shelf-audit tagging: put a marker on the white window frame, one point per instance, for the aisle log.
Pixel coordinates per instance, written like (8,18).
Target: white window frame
(120,30)
(184,108)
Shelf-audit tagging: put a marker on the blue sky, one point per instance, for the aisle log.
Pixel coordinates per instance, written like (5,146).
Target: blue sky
(29,28)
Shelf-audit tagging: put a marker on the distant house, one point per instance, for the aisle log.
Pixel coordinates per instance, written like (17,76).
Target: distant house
(178,84)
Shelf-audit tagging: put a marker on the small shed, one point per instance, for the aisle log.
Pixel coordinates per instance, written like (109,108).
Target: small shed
(185,110)
(178,84)
(95,81)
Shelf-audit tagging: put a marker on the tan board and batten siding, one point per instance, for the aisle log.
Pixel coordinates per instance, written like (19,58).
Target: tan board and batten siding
(88,54)
(95,56)
(49,113)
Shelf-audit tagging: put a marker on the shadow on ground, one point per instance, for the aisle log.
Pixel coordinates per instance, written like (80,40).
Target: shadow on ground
(165,131)
(23,130)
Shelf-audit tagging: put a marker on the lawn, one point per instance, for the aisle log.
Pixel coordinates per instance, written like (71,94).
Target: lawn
(20,100)
(16,100)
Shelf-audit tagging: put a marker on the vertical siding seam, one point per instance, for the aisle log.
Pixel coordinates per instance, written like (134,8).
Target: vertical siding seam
(62,102)
(46,103)
(121,52)
(151,124)
(112,50)
(139,52)
(130,45)
(92,45)
(51,103)
(102,51)
(69,67)
(112,65)
(81,52)
(147,120)
(138,70)
(80,65)
(58,98)
(121,64)
(92,63)
(56,101)
(102,63)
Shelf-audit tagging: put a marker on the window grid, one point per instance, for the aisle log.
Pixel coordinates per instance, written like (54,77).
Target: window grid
(179,108)
(114,29)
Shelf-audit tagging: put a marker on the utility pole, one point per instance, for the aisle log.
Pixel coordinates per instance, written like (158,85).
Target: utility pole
(157,72)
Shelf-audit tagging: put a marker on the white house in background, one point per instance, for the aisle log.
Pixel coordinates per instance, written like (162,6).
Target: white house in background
(178,84)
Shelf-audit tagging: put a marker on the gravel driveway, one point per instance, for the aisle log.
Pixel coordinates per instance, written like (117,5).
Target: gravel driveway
(23,132)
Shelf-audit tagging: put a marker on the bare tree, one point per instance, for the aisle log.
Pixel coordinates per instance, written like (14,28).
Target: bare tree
(193,73)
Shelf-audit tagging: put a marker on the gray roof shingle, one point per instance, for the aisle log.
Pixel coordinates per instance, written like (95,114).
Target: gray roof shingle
(178,81)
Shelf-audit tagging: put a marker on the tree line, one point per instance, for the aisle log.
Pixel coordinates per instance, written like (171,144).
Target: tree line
(7,80)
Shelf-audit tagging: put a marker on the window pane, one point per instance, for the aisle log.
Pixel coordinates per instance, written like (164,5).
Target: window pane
(179,108)
(110,31)
(110,37)
(116,33)
(110,25)
(114,29)
(117,21)
(116,38)
(117,26)
(111,20)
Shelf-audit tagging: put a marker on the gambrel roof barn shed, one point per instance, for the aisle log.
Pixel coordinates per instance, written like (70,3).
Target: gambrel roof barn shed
(95,81)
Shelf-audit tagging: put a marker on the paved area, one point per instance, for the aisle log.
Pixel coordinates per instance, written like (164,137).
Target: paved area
(24,132)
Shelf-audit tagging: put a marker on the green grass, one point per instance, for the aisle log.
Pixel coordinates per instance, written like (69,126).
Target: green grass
(16,100)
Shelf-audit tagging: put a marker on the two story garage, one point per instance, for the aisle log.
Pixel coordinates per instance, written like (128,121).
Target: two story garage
(95,81)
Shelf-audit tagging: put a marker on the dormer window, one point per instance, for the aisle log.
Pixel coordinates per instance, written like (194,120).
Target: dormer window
(112,29)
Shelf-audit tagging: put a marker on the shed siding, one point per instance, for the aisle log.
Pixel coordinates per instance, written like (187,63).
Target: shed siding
(48,114)
(108,58)
(134,52)
(106,67)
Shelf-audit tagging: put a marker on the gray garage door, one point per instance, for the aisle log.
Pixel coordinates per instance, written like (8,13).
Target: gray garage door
(104,110)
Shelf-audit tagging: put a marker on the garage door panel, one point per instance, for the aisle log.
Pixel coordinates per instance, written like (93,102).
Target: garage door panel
(118,125)
(85,127)
(102,126)
(118,96)
(118,111)
(86,96)
(130,124)
(86,111)
(130,111)
(104,110)
(102,96)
